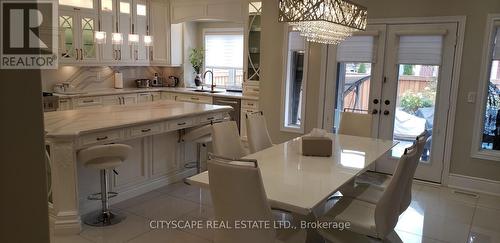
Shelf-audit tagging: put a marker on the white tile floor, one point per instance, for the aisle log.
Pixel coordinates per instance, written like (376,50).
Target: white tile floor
(436,214)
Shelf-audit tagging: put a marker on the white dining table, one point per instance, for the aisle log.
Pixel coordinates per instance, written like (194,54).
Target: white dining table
(298,183)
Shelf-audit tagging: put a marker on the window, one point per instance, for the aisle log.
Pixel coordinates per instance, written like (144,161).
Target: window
(354,58)
(224,57)
(487,126)
(294,82)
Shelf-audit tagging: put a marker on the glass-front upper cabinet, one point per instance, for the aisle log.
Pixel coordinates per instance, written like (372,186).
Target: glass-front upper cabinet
(89,4)
(253,41)
(67,43)
(88,46)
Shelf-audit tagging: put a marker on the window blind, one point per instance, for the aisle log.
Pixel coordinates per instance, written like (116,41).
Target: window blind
(224,51)
(356,49)
(420,49)
(496,49)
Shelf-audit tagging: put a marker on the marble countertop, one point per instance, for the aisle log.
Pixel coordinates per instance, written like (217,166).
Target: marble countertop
(112,91)
(77,122)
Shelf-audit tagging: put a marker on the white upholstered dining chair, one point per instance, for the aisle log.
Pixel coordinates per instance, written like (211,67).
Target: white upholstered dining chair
(373,193)
(373,220)
(355,124)
(257,133)
(238,194)
(226,140)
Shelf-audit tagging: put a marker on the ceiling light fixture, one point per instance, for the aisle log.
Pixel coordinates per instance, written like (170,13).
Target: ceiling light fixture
(323,21)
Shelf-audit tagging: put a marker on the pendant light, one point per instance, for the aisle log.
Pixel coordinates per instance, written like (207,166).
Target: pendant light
(323,21)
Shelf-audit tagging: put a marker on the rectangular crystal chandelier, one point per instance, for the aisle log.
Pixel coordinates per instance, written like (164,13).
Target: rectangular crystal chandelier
(323,21)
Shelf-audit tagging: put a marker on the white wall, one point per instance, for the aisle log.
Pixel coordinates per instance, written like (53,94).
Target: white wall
(476,12)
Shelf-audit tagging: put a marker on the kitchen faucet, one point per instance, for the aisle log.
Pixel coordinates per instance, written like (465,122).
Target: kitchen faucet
(204,78)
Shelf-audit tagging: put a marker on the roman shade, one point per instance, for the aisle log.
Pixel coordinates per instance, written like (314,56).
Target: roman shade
(224,50)
(356,49)
(420,49)
(496,46)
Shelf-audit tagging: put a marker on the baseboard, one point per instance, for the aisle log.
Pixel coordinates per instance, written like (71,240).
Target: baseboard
(474,184)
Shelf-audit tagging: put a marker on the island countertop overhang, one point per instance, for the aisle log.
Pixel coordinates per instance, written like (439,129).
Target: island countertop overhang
(72,123)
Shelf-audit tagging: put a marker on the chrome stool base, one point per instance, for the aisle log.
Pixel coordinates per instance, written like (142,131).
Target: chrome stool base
(102,219)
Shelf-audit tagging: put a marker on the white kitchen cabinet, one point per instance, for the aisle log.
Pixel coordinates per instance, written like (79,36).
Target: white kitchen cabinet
(64,104)
(111,100)
(140,24)
(108,52)
(176,44)
(144,97)
(160,22)
(223,10)
(134,169)
(201,99)
(125,27)
(87,102)
(129,99)
(76,36)
(155,96)
(167,46)
(165,155)
(168,96)
(79,19)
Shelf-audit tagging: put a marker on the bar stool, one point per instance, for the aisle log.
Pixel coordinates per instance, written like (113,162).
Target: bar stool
(103,157)
(200,136)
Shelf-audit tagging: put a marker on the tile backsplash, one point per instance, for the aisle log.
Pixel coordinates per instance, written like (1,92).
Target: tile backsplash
(102,77)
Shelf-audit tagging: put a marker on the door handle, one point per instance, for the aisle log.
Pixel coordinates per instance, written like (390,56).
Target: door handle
(374,111)
(120,55)
(387,102)
(76,54)
(81,54)
(375,101)
(386,112)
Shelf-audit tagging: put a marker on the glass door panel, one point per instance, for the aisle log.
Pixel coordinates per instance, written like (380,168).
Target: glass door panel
(353,88)
(67,37)
(253,41)
(88,44)
(415,106)
(416,93)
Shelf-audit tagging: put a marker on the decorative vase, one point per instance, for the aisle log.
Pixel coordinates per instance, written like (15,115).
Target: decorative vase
(197,80)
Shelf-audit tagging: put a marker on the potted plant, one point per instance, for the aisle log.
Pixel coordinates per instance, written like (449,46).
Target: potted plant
(196,56)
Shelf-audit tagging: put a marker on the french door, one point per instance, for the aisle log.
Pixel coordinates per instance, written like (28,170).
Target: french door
(401,74)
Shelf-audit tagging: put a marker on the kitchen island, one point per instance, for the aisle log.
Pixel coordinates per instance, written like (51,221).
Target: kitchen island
(153,130)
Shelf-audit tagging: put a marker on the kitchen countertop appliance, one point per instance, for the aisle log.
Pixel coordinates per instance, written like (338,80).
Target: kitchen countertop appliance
(172,81)
(143,83)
